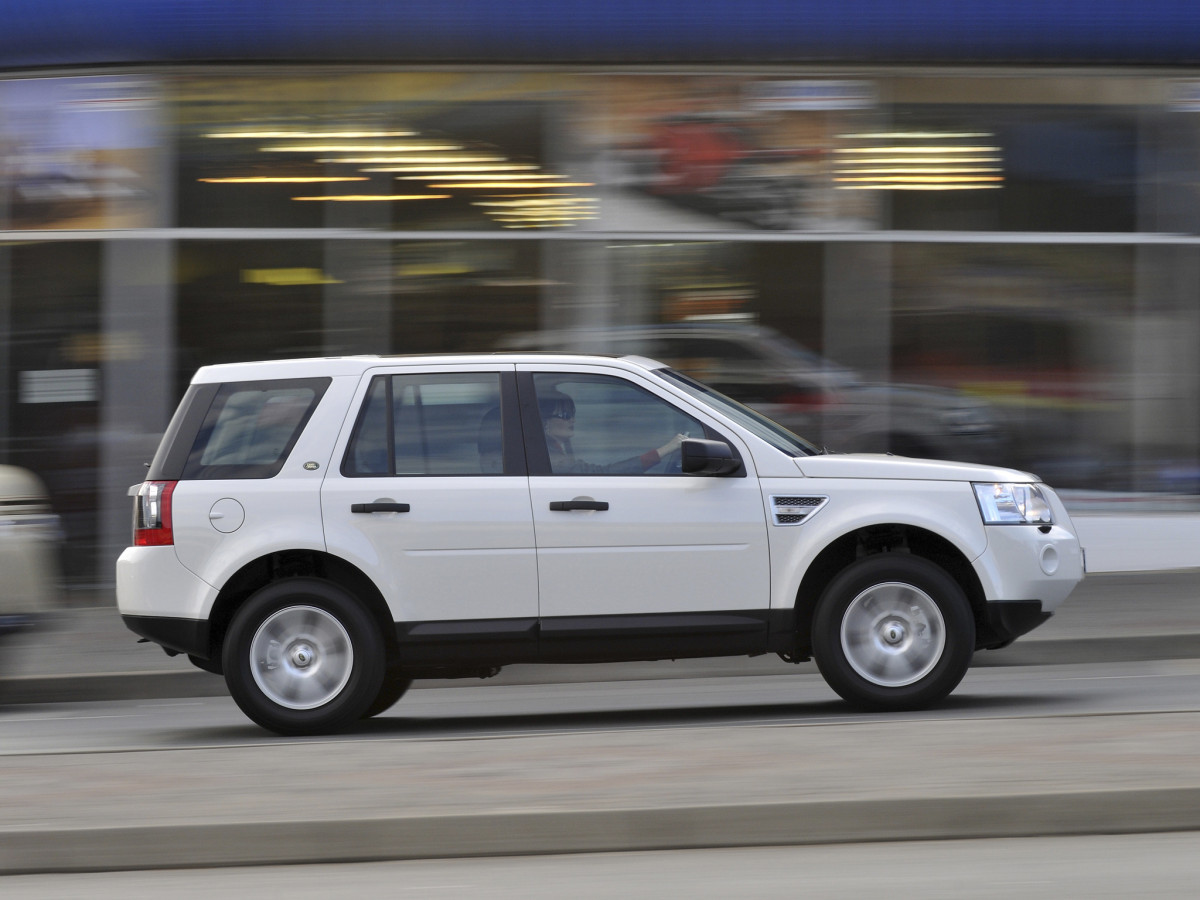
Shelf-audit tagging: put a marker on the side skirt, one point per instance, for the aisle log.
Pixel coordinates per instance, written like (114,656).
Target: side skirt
(441,646)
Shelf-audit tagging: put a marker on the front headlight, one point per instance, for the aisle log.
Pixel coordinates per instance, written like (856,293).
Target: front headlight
(1013,504)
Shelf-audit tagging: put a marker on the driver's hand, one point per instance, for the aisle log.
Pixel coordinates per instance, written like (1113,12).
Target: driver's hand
(672,445)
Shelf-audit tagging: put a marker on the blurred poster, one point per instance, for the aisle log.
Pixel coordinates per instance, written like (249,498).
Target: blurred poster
(78,152)
(714,153)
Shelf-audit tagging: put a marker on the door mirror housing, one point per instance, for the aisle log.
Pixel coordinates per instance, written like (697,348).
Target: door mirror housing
(701,457)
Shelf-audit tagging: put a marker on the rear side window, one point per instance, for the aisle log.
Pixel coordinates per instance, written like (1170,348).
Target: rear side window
(429,424)
(251,428)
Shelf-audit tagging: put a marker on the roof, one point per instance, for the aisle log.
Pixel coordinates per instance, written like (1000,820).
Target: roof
(332,366)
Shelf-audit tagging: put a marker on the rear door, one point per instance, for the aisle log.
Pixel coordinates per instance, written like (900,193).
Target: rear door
(431,499)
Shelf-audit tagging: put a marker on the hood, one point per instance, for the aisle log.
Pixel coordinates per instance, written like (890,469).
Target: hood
(882,465)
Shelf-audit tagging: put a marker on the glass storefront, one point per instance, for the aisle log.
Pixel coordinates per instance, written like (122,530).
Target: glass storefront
(404,152)
(1002,267)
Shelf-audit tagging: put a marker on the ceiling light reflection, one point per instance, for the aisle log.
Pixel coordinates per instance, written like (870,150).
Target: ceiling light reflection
(369,198)
(450,168)
(410,160)
(360,148)
(469,177)
(495,185)
(918,160)
(263,179)
(537,202)
(917,187)
(309,135)
(915,135)
(926,149)
(922,179)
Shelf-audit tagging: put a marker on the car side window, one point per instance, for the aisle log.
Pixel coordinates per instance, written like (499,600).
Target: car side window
(601,425)
(428,424)
(251,427)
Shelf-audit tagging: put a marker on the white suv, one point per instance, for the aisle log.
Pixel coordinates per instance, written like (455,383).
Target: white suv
(322,532)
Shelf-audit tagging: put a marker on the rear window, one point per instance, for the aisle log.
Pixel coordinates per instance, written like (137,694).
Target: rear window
(251,428)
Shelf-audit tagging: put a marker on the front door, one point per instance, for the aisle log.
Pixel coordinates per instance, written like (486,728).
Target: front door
(628,545)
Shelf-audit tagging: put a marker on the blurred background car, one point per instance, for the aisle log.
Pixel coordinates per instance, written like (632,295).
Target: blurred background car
(814,397)
(29,538)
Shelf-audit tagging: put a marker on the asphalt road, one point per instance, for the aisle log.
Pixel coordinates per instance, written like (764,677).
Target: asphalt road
(667,764)
(500,712)
(114,756)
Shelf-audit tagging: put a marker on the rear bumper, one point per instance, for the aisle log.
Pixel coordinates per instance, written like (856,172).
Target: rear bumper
(153,583)
(188,636)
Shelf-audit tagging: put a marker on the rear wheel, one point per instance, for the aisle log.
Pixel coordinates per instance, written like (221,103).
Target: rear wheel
(893,632)
(302,656)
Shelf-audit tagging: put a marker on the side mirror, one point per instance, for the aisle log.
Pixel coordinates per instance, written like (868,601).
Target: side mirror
(699,457)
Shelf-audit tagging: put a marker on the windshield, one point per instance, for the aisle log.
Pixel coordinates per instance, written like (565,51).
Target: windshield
(756,423)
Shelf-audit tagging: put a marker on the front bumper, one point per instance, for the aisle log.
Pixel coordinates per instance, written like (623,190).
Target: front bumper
(1024,563)
(1008,620)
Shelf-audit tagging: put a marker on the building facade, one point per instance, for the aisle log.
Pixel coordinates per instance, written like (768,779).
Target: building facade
(1006,212)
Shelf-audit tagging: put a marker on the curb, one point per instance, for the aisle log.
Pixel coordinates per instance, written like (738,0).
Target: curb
(599,830)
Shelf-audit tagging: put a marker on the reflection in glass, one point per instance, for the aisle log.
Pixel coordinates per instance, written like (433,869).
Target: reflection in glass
(391,152)
(1042,333)
(80,152)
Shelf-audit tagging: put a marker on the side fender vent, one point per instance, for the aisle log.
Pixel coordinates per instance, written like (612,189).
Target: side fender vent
(795,510)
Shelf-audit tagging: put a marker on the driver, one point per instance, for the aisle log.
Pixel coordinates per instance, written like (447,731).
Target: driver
(558,422)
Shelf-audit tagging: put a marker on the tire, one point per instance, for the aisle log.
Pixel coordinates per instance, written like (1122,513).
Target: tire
(302,656)
(893,632)
(393,688)
(212,666)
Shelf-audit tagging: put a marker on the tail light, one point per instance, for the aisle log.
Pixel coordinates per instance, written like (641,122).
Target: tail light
(152,514)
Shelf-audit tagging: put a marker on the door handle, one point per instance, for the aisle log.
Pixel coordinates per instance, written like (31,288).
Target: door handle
(378,506)
(565,505)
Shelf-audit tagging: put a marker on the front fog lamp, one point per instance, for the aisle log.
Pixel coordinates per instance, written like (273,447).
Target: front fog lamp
(1013,504)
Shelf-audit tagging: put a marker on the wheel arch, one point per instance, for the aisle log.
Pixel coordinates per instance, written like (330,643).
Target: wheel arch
(874,539)
(282,564)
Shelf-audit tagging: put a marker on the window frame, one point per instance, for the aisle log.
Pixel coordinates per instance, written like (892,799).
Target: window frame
(538,454)
(194,470)
(512,447)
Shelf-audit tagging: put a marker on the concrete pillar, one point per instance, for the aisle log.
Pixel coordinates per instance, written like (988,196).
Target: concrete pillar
(137,378)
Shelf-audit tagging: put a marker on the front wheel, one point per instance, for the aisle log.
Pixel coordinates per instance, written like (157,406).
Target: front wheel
(302,656)
(393,688)
(893,632)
